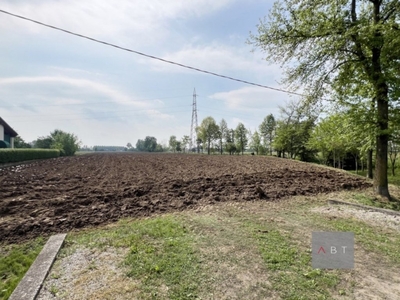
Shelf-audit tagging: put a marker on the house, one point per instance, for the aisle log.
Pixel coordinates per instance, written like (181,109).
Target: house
(7,135)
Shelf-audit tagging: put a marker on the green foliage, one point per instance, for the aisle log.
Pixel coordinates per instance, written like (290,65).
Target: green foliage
(241,137)
(208,131)
(293,132)
(15,260)
(16,155)
(149,144)
(223,129)
(267,130)
(43,142)
(66,143)
(172,142)
(255,143)
(342,49)
(185,142)
(20,143)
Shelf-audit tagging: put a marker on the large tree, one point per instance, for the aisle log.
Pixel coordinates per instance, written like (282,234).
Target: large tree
(322,42)
(208,132)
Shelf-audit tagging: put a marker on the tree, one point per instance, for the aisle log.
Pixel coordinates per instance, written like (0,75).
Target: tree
(140,145)
(208,132)
(241,137)
(150,143)
(20,143)
(172,142)
(255,143)
(67,143)
(267,130)
(185,142)
(230,146)
(327,44)
(129,146)
(223,127)
(394,147)
(293,131)
(178,146)
(43,142)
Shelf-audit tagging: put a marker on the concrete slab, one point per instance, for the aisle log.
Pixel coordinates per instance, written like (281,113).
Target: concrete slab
(30,285)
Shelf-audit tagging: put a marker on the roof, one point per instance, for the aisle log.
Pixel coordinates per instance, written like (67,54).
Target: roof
(8,129)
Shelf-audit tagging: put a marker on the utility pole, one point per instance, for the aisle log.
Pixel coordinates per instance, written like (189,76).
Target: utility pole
(193,134)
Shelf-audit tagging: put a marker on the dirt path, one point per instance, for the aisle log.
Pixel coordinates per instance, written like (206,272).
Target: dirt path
(59,195)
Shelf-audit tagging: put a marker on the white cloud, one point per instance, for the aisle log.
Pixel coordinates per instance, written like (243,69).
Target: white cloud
(216,58)
(69,87)
(140,21)
(252,99)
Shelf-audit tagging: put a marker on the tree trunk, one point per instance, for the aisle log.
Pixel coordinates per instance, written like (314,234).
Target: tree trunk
(369,164)
(356,161)
(334,159)
(393,165)
(381,180)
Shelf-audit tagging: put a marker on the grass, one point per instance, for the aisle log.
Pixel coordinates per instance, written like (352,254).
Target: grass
(371,238)
(161,253)
(15,260)
(391,179)
(292,274)
(257,250)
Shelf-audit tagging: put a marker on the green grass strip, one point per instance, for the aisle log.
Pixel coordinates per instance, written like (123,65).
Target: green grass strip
(292,275)
(161,252)
(161,255)
(15,261)
(369,237)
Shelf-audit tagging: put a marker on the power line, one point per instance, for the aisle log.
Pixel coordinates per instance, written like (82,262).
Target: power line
(149,56)
(101,112)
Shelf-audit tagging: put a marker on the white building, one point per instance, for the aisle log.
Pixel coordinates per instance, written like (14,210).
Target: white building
(7,135)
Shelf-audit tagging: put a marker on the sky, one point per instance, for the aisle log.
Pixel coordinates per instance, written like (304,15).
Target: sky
(106,96)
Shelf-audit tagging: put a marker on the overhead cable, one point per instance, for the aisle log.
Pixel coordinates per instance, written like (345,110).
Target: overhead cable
(150,56)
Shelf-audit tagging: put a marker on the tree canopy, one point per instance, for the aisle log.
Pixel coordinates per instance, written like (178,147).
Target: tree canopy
(333,48)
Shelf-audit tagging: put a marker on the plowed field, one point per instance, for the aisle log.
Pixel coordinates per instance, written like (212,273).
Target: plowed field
(61,194)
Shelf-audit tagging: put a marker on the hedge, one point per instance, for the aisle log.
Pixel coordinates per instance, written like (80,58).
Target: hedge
(16,155)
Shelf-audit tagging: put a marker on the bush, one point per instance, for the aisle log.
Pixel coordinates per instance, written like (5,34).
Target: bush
(16,155)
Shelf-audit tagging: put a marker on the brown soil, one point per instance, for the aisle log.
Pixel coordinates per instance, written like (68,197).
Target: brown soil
(58,195)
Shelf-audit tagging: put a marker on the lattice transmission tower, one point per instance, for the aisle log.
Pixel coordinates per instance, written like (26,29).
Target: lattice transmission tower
(193,134)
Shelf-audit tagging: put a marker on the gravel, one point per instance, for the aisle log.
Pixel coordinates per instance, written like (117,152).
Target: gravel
(371,217)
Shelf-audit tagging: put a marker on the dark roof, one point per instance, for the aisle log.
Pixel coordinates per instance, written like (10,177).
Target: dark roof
(8,129)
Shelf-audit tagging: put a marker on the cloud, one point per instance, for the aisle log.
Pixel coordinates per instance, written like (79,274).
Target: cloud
(252,98)
(139,21)
(68,90)
(216,58)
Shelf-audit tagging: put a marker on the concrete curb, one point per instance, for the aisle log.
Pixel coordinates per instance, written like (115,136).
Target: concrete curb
(382,210)
(30,285)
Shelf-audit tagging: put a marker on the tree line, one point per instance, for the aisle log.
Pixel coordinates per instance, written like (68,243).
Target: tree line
(347,52)
(67,143)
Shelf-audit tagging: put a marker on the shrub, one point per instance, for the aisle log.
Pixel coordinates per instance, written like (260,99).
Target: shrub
(16,155)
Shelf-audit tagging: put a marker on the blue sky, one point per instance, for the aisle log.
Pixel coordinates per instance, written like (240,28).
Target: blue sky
(106,96)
